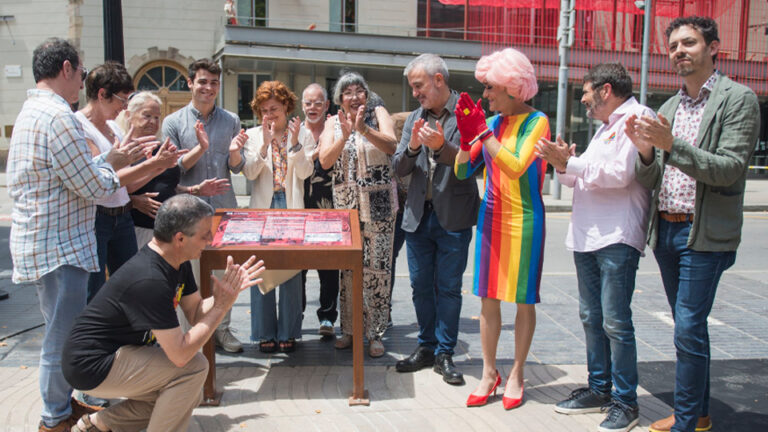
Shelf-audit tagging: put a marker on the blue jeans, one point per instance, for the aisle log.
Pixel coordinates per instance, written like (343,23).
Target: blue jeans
(62,295)
(436,261)
(690,279)
(115,244)
(606,283)
(266,322)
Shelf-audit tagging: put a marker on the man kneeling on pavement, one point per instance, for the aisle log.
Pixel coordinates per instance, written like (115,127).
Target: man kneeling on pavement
(112,350)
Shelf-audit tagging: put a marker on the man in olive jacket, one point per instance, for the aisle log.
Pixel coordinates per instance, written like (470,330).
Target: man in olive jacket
(694,157)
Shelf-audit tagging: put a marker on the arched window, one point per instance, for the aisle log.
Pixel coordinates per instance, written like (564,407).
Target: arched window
(166,79)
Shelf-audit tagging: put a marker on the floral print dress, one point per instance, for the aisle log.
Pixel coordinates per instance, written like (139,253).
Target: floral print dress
(362,180)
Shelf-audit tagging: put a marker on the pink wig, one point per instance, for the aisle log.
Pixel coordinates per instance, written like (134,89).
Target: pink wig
(509,68)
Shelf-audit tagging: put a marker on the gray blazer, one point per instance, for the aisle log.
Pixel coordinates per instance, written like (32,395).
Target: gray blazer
(455,201)
(718,162)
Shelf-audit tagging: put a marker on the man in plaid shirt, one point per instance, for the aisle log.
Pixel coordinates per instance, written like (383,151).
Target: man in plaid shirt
(52,180)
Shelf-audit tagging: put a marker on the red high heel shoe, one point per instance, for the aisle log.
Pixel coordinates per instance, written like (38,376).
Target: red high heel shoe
(476,401)
(510,403)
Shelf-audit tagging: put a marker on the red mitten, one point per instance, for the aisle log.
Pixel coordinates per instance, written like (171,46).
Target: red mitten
(470,119)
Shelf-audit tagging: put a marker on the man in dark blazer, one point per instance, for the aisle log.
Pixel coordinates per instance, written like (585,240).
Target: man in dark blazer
(439,214)
(695,157)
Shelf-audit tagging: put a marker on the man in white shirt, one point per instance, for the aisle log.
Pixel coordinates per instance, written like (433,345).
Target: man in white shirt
(607,235)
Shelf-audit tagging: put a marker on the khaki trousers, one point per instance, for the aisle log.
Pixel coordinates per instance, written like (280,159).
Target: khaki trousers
(160,396)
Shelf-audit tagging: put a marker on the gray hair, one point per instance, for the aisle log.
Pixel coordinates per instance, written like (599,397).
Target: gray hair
(135,103)
(315,85)
(346,80)
(431,63)
(180,213)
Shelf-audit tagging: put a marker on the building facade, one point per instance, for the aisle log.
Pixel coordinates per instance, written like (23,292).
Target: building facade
(304,41)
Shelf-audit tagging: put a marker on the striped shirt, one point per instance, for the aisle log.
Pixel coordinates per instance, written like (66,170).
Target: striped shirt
(53,181)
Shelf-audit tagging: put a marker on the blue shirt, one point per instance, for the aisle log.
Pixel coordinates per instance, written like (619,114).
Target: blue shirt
(221,126)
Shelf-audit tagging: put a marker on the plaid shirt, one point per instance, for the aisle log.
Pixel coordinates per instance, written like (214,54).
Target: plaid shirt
(52,180)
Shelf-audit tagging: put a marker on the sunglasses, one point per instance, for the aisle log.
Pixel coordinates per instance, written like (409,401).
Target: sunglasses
(84,73)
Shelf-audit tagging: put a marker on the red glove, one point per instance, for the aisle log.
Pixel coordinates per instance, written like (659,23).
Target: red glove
(470,119)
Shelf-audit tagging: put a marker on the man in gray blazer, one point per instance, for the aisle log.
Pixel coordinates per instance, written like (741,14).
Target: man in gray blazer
(439,214)
(695,157)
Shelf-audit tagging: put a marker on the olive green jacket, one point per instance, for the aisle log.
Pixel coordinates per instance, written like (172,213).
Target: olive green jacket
(718,162)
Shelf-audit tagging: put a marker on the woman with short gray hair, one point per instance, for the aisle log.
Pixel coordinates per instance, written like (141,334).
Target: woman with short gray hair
(356,146)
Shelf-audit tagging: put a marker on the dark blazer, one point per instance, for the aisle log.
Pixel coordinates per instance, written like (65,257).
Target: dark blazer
(718,162)
(455,201)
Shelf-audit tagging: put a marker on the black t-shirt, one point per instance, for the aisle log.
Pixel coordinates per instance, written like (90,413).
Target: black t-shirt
(165,185)
(142,295)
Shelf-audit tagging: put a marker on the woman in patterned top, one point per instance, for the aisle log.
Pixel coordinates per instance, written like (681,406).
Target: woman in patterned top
(356,145)
(509,247)
(277,164)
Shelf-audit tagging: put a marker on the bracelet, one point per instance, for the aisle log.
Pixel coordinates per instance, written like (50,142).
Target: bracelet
(483,135)
(365,131)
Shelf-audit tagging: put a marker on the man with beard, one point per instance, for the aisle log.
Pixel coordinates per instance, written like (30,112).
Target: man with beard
(695,157)
(318,194)
(607,237)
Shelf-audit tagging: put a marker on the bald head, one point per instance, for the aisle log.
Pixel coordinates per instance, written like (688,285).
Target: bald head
(314,103)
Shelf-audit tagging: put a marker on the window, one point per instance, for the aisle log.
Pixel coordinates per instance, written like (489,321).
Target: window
(255,10)
(246,89)
(162,77)
(343,16)
(166,79)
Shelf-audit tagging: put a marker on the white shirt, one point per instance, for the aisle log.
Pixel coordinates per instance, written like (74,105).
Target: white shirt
(609,205)
(92,133)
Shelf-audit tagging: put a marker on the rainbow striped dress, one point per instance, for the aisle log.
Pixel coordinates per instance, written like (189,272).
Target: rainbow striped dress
(509,246)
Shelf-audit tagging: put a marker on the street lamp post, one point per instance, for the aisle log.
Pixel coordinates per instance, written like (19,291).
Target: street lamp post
(646,6)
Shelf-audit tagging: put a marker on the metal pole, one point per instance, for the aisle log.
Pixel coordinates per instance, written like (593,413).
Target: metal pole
(113,30)
(565,34)
(647,17)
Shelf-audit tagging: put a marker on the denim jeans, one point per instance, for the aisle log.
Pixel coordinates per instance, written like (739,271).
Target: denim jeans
(266,322)
(115,244)
(436,261)
(606,282)
(690,279)
(62,294)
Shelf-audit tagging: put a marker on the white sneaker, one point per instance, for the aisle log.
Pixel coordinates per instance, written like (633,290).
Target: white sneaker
(326,328)
(224,338)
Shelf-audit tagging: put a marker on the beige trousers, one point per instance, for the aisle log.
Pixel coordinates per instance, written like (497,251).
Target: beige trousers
(160,396)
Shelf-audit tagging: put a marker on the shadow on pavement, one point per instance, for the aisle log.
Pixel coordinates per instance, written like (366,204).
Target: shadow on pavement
(742,383)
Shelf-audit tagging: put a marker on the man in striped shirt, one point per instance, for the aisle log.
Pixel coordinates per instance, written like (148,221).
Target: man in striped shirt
(52,180)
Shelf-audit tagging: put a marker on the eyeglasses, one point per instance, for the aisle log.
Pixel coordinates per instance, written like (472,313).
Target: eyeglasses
(352,93)
(316,104)
(123,100)
(84,73)
(271,111)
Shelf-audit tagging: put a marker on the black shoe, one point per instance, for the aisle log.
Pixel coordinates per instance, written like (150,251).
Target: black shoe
(583,400)
(620,418)
(445,367)
(421,358)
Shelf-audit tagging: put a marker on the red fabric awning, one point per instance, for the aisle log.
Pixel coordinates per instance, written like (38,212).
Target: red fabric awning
(662,8)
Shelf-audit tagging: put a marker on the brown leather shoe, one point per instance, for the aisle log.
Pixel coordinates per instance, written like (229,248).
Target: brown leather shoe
(665,424)
(63,426)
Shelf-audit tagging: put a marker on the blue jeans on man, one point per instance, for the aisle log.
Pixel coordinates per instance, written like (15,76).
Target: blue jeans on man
(606,279)
(437,259)
(62,294)
(690,280)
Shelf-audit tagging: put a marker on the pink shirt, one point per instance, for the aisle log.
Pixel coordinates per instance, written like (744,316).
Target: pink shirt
(678,190)
(609,205)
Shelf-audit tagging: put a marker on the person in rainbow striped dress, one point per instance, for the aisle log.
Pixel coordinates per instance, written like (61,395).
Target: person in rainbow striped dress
(509,246)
